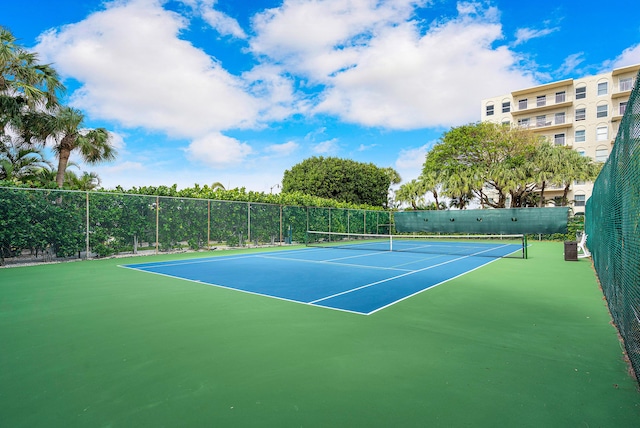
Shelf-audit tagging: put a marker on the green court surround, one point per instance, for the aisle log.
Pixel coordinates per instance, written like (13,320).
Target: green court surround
(518,343)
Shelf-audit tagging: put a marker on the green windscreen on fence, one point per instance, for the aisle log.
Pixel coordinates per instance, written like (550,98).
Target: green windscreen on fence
(612,224)
(506,220)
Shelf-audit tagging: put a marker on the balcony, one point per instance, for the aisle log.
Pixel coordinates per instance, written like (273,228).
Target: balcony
(619,112)
(621,94)
(548,124)
(623,88)
(534,106)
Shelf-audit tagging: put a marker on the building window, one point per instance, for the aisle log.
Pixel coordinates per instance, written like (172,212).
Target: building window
(558,139)
(560,97)
(506,122)
(490,110)
(522,104)
(581,114)
(579,182)
(602,154)
(581,93)
(506,107)
(602,133)
(579,200)
(623,107)
(541,120)
(602,88)
(626,84)
(581,152)
(581,136)
(601,111)
(541,101)
(523,123)
(559,118)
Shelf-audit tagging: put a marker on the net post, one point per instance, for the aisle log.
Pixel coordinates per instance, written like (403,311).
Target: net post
(390,242)
(525,254)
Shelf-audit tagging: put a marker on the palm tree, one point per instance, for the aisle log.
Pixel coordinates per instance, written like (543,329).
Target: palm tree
(429,182)
(25,85)
(411,192)
(574,166)
(20,162)
(65,129)
(547,163)
(87,181)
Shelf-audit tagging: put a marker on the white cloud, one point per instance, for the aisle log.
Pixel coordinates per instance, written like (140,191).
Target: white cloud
(382,69)
(327,147)
(365,147)
(123,167)
(223,24)
(523,35)
(410,161)
(571,63)
(117,141)
(313,135)
(218,151)
(317,38)
(270,83)
(630,56)
(134,69)
(282,149)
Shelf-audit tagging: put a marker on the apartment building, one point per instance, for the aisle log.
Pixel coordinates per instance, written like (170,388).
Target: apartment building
(583,114)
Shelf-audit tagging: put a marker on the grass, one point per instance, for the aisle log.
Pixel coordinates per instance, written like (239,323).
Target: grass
(524,343)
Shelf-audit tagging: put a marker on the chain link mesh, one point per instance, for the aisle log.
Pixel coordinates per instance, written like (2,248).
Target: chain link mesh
(613,227)
(44,225)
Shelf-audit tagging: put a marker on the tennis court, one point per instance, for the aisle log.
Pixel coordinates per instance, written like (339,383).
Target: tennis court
(363,281)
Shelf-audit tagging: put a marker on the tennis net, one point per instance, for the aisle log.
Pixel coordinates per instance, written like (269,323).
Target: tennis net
(513,246)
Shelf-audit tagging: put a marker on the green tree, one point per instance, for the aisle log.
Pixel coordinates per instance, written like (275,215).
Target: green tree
(65,128)
(482,159)
(20,163)
(25,84)
(339,179)
(86,181)
(411,192)
(546,164)
(572,166)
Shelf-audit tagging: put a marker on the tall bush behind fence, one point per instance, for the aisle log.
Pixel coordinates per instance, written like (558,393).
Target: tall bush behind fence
(37,224)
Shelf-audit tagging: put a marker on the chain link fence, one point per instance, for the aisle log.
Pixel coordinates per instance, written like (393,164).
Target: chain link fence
(47,225)
(613,227)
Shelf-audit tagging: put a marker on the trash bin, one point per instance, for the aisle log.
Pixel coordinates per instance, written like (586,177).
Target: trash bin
(571,251)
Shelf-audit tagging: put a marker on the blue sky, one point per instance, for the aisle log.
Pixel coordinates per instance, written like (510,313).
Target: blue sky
(236,92)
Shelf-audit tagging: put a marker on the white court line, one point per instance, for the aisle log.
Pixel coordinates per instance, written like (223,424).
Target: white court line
(331,262)
(400,276)
(219,258)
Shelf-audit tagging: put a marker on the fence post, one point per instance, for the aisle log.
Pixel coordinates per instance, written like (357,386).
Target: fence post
(280,224)
(157,222)
(249,223)
(86,256)
(364,220)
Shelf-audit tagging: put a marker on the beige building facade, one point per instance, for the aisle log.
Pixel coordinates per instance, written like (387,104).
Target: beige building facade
(583,114)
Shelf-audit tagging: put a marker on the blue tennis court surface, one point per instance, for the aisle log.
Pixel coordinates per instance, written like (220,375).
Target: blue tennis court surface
(362,282)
